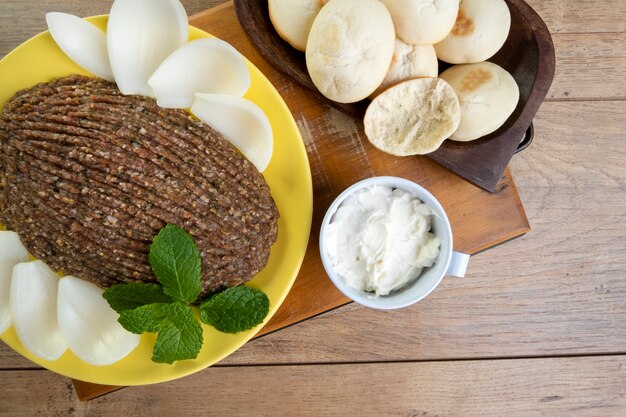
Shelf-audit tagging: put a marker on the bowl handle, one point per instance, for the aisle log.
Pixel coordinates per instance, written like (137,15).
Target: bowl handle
(458,264)
(528,138)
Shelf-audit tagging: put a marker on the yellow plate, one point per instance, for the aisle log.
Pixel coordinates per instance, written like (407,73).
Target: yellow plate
(289,178)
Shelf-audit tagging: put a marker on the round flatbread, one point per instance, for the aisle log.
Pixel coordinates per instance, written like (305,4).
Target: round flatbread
(409,61)
(488,95)
(350,48)
(480,30)
(413,117)
(292,19)
(422,22)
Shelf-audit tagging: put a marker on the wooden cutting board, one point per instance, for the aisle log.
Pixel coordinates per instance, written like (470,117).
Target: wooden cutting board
(340,155)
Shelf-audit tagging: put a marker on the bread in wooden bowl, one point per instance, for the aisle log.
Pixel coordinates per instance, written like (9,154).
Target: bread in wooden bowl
(527,54)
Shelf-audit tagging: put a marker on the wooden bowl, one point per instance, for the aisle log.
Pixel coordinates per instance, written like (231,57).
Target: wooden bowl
(528,54)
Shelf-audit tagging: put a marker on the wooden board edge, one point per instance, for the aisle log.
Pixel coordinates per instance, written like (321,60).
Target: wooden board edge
(86,391)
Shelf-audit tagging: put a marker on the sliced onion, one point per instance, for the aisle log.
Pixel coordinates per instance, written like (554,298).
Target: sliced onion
(34,307)
(89,324)
(241,122)
(201,66)
(11,252)
(82,41)
(140,35)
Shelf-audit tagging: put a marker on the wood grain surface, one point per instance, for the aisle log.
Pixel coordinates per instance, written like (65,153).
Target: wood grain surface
(545,300)
(467,388)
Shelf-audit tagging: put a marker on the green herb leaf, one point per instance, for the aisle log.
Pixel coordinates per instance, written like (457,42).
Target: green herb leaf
(235,310)
(175,261)
(148,318)
(123,297)
(164,308)
(179,333)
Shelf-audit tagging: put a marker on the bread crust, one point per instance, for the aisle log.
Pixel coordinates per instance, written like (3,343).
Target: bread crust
(488,95)
(350,48)
(422,22)
(480,30)
(413,117)
(293,19)
(409,61)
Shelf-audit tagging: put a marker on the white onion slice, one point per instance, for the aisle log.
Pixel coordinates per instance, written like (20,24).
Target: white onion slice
(201,66)
(11,252)
(89,324)
(241,122)
(34,307)
(82,41)
(140,35)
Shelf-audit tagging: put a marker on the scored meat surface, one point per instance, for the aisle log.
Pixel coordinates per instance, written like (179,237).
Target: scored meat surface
(89,176)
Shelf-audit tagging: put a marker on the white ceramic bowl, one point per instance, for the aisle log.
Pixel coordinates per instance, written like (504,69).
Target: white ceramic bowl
(449,262)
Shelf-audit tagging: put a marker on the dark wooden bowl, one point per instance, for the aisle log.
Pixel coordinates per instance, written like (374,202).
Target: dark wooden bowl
(528,54)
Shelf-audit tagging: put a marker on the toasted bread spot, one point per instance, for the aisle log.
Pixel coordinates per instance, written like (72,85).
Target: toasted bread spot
(474,79)
(463,25)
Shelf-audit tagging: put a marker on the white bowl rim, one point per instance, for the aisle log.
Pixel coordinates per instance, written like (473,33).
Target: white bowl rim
(363,298)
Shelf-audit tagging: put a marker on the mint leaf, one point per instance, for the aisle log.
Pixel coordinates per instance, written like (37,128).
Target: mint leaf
(164,308)
(179,333)
(235,310)
(130,296)
(175,261)
(148,318)
(175,343)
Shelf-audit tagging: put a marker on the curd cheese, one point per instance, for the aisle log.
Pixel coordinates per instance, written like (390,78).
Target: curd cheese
(380,239)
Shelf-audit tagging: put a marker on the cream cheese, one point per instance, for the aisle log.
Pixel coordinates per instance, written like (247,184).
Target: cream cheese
(379,240)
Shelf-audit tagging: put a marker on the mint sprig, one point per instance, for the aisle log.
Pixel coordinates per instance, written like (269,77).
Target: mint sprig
(175,261)
(123,297)
(165,308)
(179,333)
(235,310)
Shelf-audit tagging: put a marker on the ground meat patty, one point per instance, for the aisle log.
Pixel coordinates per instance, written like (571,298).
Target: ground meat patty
(89,176)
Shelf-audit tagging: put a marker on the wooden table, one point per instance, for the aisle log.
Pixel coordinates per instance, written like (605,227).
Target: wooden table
(538,327)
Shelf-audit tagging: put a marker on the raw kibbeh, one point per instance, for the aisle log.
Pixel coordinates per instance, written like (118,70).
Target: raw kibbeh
(89,176)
